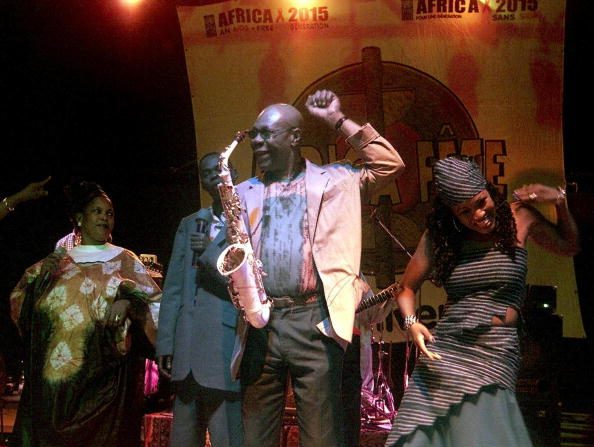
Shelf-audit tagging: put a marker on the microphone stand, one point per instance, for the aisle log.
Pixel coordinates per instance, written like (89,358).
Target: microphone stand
(375,217)
(387,230)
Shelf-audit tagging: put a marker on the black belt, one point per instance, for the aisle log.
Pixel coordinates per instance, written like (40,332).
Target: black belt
(282,302)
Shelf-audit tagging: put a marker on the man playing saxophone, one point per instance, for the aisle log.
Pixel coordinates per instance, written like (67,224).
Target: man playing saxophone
(305,227)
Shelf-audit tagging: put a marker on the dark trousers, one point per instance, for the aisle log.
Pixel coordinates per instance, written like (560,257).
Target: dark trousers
(291,346)
(351,392)
(197,408)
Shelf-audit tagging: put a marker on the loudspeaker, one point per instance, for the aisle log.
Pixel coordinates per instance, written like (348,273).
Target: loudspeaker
(538,388)
(540,299)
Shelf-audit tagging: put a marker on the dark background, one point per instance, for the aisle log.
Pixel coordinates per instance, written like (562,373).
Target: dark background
(92,89)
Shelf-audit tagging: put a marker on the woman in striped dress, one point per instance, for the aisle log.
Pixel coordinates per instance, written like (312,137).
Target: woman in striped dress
(462,390)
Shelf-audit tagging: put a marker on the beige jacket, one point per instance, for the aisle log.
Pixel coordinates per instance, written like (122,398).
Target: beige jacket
(334,194)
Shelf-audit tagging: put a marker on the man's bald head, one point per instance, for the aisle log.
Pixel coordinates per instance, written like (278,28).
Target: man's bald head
(283,114)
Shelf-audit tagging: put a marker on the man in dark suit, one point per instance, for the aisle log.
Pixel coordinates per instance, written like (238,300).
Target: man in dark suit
(197,328)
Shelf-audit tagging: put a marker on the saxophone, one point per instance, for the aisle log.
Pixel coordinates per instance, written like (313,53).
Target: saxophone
(238,261)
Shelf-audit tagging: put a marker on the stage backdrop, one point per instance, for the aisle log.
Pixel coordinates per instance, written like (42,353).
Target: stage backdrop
(477,77)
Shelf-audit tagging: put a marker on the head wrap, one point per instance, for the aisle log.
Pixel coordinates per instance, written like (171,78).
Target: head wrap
(457,180)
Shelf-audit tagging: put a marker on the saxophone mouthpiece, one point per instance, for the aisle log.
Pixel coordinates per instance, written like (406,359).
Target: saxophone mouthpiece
(240,135)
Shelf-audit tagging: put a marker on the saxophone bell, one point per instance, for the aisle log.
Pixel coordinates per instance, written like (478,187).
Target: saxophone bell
(245,285)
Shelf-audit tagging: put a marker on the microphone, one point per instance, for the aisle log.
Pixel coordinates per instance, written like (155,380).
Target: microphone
(203,220)
(180,168)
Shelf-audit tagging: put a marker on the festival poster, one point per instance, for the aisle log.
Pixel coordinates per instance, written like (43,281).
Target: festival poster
(481,78)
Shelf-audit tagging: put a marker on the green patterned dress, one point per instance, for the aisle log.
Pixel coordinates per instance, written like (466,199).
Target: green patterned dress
(83,379)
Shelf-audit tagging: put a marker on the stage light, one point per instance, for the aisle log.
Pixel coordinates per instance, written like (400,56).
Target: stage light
(131,2)
(302,3)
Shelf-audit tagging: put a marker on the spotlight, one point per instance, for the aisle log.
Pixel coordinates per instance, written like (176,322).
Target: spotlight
(131,2)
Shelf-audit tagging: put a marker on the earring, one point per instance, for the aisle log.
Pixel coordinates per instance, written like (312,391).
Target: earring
(78,223)
(456,225)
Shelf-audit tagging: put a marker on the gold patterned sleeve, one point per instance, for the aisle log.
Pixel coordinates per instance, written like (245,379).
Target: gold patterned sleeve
(18,294)
(144,295)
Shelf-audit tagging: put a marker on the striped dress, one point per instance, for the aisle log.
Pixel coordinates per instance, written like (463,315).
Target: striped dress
(474,353)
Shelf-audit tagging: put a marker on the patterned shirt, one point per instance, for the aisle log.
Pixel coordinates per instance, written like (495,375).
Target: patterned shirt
(286,248)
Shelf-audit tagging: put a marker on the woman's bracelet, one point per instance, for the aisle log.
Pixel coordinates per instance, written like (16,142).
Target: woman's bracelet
(5,203)
(409,320)
(561,195)
(340,122)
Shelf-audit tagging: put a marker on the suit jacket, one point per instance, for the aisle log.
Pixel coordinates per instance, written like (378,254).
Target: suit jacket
(333,194)
(196,326)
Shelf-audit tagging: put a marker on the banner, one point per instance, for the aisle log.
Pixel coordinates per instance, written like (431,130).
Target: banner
(477,77)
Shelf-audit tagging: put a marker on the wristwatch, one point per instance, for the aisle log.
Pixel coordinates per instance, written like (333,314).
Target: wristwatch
(409,320)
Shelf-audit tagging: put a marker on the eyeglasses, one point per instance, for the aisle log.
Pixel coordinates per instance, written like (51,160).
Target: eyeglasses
(266,134)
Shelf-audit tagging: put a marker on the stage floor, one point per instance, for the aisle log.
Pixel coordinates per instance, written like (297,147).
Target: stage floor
(157,426)
(577,430)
